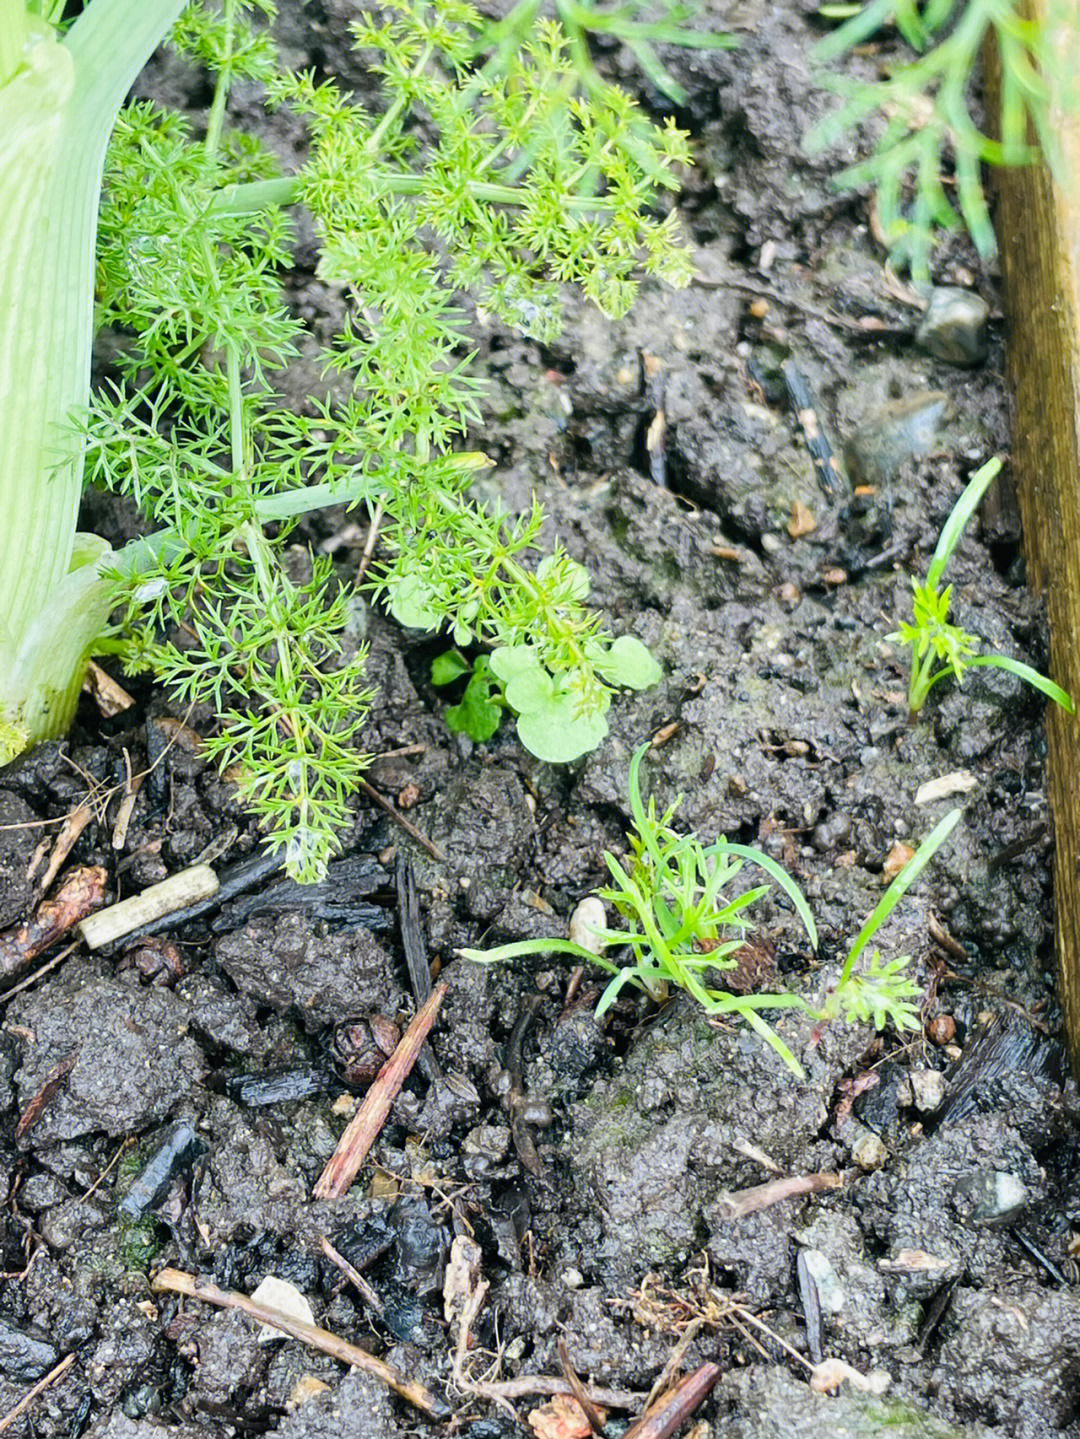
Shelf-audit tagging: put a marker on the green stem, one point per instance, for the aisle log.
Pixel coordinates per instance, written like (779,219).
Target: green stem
(919,687)
(403,101)
(216,117)
(258,195)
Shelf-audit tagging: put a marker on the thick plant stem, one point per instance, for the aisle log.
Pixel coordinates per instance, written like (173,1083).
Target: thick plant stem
(57,109)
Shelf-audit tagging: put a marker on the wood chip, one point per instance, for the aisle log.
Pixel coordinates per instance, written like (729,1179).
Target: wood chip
(898,856)
(802,521)
(110,697)
(562,1417)
(155,902)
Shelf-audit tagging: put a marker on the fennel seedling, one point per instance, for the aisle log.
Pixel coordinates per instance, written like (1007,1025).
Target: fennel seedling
(680,928)
(930,117)
(939,649)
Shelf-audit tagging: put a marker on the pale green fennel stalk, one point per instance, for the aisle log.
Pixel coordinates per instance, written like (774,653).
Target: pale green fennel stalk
(59,99)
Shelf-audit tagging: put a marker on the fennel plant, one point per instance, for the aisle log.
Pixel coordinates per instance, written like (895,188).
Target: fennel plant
(680,930)
(941,650)
(536,174)
(925,168)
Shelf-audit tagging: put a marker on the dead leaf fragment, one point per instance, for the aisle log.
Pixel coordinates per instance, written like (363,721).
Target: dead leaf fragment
(306,1387)
(831,1373)
(959,782)
(802,521)
(279,1294)
(462,1272)
(562,1417)
(110,697)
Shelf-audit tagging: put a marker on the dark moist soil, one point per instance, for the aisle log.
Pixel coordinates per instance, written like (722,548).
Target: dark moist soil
(783,722)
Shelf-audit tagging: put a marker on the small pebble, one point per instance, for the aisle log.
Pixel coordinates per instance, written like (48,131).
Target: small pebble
(941,1029)
(990,1197)
(868,1150)
(588,917)
(927,1089)
(573,1278)
(901,430)
(954,327)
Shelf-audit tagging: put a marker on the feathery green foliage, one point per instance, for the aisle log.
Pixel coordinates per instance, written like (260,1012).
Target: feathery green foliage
(940,649)
(927,107)
(531,174)
(681,929)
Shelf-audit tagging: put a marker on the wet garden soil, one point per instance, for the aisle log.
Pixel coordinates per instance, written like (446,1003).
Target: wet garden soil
(782,720)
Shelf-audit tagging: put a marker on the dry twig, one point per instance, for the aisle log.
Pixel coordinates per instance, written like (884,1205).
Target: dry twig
(399,819)
(175,1281)
(370,1298)
(364,1127)
(761,1196)
(675,1408)
(31,1394)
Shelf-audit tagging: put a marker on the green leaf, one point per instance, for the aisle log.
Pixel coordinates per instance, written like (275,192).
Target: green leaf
(478,715)
(959,519)
(511,660)
(531,690)
(629,663)
(410,604)
(563,566)
(780,875)
(558,732)
(899,887)
(448,667)
(1030,676)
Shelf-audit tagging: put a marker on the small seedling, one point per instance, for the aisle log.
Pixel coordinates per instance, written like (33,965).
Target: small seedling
(479,712)
(883,992)
(679,923)
(680,927)
(556,718)
(939,649)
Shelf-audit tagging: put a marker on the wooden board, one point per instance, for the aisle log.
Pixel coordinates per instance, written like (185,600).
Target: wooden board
(1038,226)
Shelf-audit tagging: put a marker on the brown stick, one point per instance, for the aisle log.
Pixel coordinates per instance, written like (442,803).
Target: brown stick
(677,1406)
(31,1394)
(48,1089)
(364,1127)
(175,1281)
(64,843)
(578,1390)
(39,973)
(761,1196)
(370,1298)
(674,1362)
(399,819)
(79,895)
